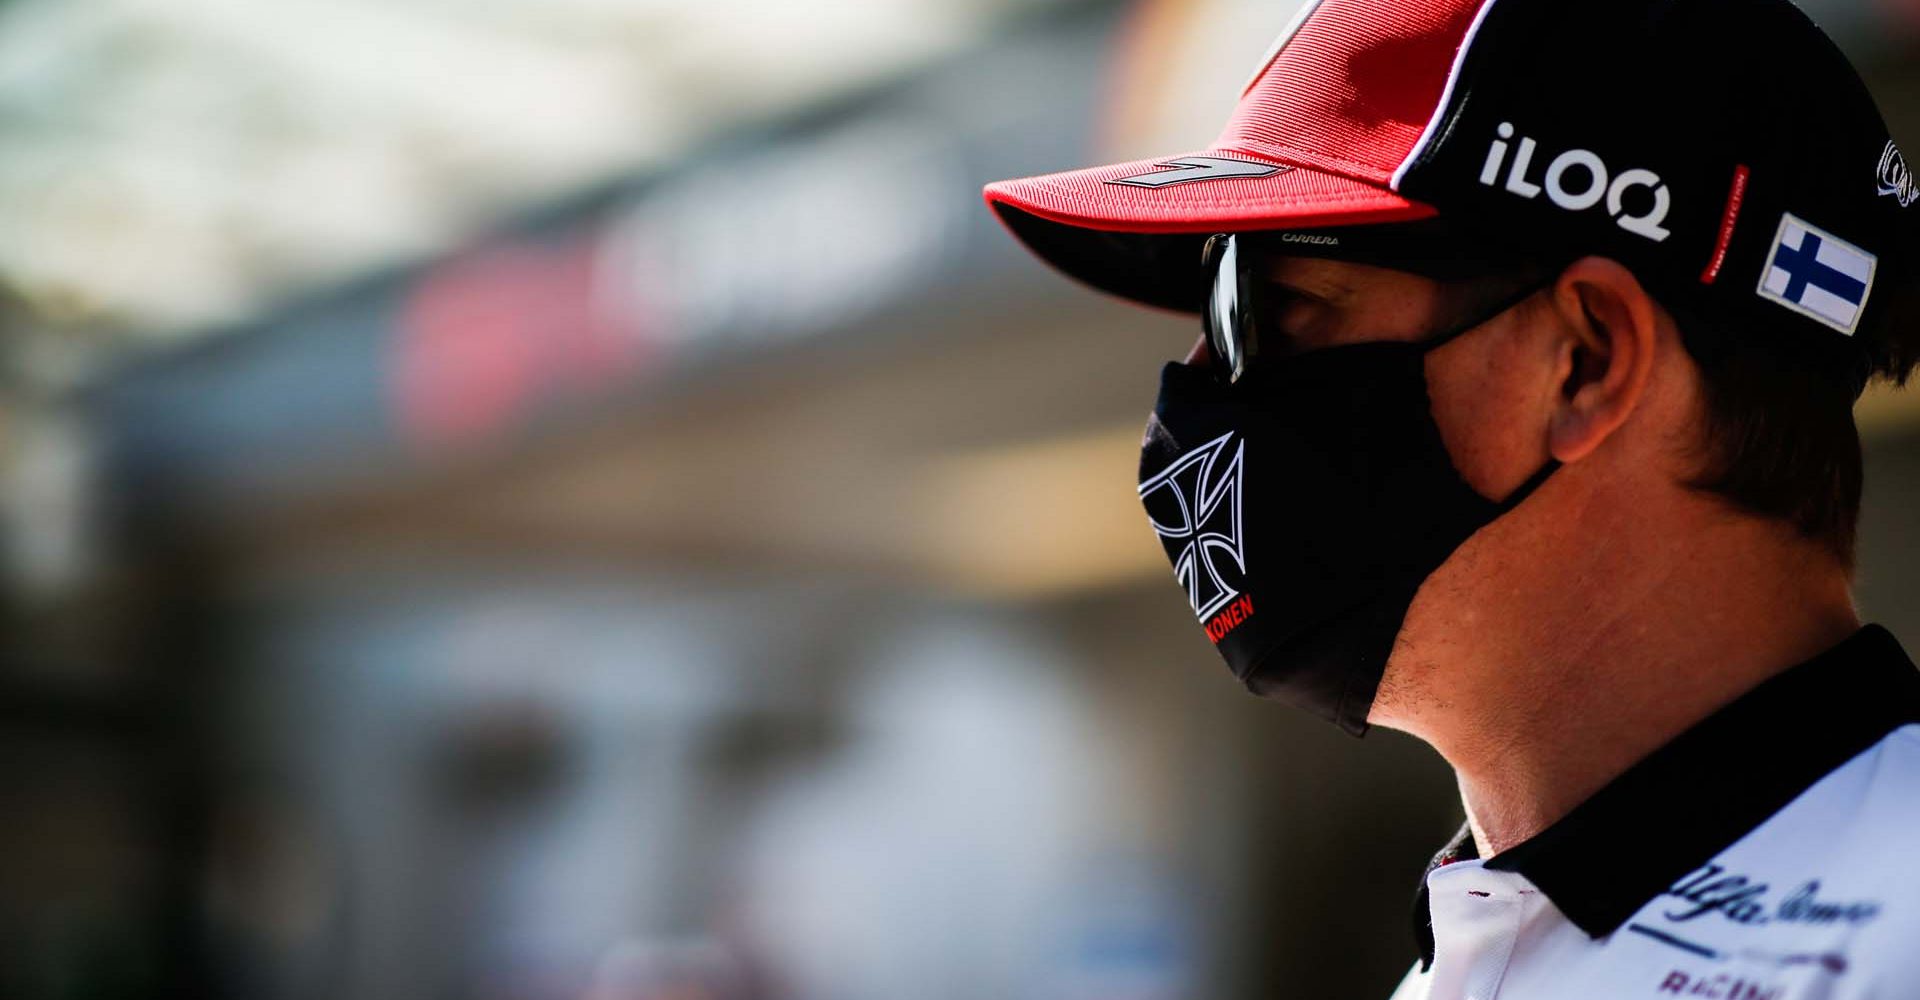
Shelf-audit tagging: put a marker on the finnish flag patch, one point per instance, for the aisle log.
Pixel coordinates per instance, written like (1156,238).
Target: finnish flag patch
(1818,274)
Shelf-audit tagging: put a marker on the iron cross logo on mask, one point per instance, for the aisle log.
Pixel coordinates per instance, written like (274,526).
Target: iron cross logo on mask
(1318,485)
(1194,505)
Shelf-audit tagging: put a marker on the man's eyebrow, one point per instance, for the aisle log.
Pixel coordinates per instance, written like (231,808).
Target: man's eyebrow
(1326,292)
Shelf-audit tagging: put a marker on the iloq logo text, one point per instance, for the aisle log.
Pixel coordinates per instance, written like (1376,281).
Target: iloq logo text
(1578,180)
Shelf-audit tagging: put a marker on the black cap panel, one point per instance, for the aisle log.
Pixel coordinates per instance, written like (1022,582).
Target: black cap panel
(1622,128)
(1156,269)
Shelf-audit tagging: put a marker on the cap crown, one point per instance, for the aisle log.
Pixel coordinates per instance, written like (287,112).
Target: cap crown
(1724,149)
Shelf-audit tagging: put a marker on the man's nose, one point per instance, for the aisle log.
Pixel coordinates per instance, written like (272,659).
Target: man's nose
(1200,355)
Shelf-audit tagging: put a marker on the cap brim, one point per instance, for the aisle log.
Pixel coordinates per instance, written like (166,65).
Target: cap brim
(1135,229)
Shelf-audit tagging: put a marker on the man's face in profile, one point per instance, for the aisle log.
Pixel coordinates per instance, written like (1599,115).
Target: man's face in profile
(1479,383)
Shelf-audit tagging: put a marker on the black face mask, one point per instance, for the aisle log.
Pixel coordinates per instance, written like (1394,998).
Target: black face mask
(1303,506)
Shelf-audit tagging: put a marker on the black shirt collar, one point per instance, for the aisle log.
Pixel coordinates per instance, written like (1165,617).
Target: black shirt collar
(1690,799)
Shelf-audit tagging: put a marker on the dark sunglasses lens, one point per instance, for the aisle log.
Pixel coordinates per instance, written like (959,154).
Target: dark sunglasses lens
(1223,315)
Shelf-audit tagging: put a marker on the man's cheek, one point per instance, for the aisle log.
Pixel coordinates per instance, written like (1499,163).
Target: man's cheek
(1489,415)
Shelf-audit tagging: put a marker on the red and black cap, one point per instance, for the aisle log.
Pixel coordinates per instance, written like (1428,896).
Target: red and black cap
(1723,149)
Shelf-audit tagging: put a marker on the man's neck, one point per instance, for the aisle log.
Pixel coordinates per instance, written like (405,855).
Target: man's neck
(1551,676)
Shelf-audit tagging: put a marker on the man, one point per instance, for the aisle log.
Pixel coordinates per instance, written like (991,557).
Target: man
(1521,422)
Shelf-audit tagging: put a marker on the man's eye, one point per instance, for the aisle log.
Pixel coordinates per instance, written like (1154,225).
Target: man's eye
(1279,319)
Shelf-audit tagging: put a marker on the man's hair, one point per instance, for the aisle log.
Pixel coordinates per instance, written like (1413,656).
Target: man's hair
(1779,438)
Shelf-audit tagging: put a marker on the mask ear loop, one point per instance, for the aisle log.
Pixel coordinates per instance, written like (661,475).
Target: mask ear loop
(1526,489)
(1518,296)
(1552,465)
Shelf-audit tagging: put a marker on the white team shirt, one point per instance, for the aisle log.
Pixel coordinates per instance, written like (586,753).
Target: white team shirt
(1770,852)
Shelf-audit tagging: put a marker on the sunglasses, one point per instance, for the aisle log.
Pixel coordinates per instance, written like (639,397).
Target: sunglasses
(1239,293)
(1227,318)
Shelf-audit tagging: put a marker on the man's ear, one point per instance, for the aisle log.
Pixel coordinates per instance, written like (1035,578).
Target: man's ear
(1608,330)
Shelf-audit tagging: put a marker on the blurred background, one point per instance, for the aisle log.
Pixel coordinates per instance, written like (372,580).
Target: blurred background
(578,499)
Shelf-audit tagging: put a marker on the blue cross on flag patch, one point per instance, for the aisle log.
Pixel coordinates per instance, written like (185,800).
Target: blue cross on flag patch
(1818,274)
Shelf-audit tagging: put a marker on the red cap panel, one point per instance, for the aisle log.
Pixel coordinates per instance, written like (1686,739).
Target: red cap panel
(1316,141)
(1355,87)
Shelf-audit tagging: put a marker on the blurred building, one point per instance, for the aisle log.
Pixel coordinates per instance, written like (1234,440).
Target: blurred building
(721,578)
